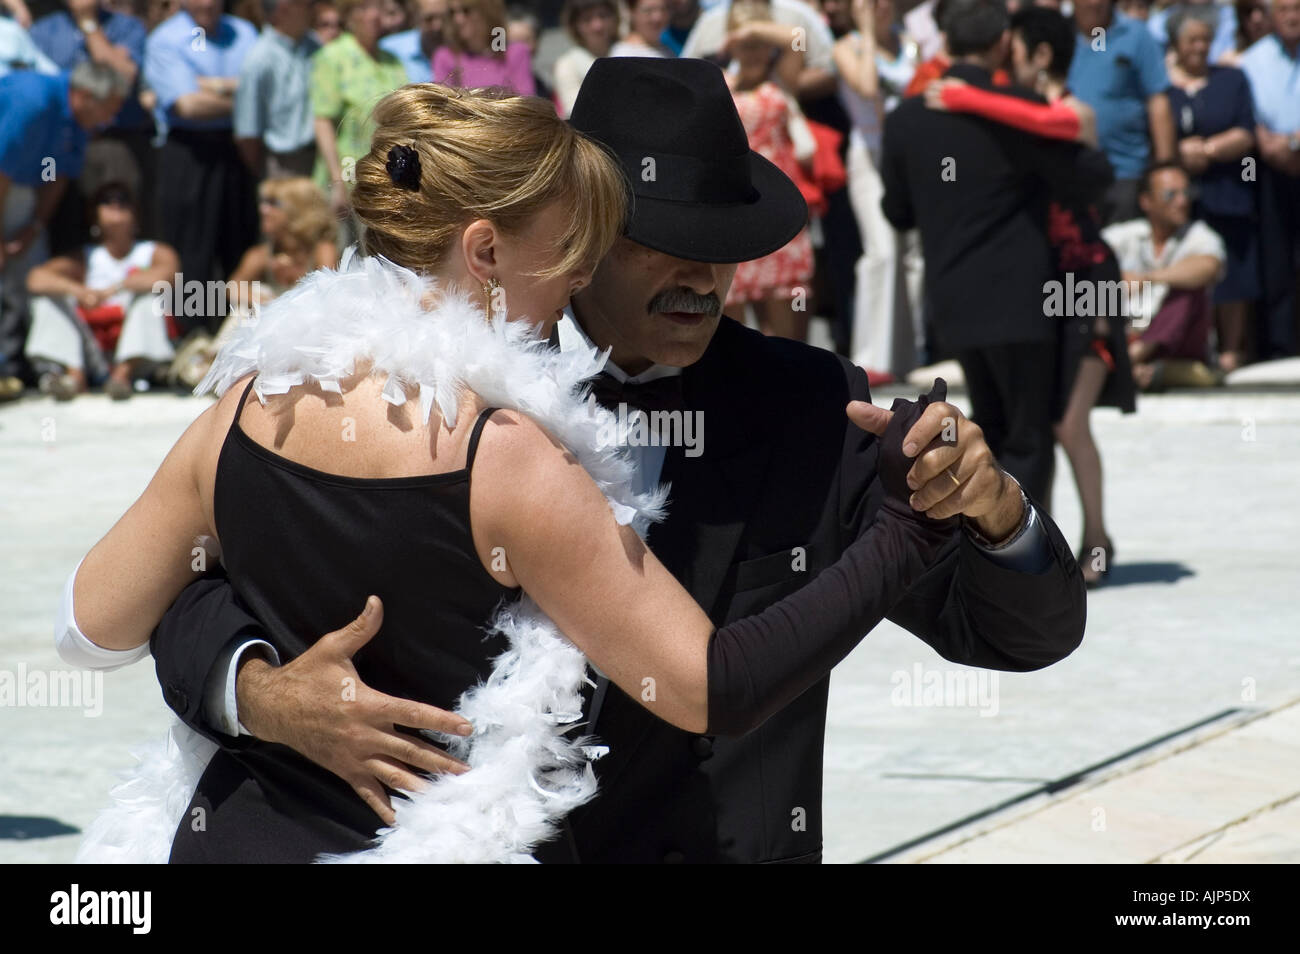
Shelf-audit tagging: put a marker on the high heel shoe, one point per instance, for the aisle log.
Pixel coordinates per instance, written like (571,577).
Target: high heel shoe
(1085,558)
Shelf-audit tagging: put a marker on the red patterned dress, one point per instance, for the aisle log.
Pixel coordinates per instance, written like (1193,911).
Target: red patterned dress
(765,113)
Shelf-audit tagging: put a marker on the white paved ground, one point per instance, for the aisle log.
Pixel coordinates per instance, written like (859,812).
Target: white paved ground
(1200,619)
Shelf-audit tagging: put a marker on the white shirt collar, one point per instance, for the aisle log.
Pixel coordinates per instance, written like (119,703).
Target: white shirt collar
(572,336)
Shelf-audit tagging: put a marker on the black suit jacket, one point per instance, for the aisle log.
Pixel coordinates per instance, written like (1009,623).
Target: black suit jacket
(781,468)
(979,193)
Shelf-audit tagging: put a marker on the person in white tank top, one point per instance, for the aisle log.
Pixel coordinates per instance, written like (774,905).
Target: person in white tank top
(107,286)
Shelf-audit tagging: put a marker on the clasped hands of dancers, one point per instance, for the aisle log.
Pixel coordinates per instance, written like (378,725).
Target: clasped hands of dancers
(449,346)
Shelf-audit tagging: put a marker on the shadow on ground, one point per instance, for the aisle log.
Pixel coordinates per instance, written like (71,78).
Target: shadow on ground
(23,827)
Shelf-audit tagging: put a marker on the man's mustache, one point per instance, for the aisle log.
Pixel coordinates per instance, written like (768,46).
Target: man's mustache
(686,301)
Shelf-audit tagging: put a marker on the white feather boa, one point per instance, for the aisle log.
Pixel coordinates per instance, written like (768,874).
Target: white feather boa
(526,773)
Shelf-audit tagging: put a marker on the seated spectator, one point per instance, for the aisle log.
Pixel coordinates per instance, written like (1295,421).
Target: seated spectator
(1273,68)
(710,40)
(593,27)
(94,315)
(415,47)
(43,129)
(478,54)
(647,20)
(18,51)
(1181,259)
(299,235)
(1215,121)
(273,124)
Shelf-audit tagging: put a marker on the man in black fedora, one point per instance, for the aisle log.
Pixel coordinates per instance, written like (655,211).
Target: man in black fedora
(784,484)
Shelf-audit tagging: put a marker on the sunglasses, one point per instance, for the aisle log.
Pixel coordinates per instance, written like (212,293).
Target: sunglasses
(118,199)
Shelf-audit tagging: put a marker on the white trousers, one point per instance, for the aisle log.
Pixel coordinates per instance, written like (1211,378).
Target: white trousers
(887,326)
(60,335)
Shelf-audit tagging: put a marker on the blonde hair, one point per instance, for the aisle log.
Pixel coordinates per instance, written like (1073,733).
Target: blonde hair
(484,155)
(308,221)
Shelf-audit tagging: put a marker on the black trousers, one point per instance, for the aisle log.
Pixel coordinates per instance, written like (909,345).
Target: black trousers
(1279,225)
(1012,391)
(207,209)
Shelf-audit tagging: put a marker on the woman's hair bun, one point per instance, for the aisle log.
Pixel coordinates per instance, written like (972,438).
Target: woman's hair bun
(404,167)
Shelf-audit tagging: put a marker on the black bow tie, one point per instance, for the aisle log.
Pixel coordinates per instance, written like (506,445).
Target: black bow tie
(660,394)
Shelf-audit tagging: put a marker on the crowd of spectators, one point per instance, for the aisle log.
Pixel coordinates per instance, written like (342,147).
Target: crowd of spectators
(167,138)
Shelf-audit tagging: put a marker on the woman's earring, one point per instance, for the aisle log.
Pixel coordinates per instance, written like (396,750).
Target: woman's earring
(491,290)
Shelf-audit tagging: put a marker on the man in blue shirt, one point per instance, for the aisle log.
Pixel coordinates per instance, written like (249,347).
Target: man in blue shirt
(1118,69)
(1272,65)
(415,47)
(274,126)
(43,129)
(206,198)
(87,30)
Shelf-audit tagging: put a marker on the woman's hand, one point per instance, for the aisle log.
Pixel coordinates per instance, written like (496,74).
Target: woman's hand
(934,91)
(954,471)
(319,707)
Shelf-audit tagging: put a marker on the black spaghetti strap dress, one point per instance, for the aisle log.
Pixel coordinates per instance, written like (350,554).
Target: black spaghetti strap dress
(303,549)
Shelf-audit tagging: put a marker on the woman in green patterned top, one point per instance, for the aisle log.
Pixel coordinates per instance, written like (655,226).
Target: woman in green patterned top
(349,75)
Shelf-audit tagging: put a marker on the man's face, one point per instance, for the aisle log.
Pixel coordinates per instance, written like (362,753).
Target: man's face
(838,15)
(206,13)
(293,17)
(433,18)
(1092,10)
(1169,203)
(91,113)
(1286,20)
(653,308)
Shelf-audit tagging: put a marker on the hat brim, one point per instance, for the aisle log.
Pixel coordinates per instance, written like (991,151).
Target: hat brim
(733,232)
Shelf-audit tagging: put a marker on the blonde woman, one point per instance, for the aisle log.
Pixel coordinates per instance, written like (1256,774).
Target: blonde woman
(298,236)
(477,53)
(381,389)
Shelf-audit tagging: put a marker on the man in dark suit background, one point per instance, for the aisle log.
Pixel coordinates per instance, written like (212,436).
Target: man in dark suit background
(784,484)
(979,193)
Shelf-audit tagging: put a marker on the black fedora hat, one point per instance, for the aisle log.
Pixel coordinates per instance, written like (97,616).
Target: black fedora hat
(699,192)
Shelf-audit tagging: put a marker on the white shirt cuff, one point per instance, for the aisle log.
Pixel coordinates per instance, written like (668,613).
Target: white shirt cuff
(76,649)
(220,706)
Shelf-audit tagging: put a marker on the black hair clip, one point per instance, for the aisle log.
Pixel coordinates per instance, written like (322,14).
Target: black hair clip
(404,167)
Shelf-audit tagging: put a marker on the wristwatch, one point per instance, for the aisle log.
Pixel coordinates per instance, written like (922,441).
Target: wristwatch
(88,25)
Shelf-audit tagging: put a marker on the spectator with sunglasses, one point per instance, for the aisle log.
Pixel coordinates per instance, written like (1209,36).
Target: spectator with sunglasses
(1182,259)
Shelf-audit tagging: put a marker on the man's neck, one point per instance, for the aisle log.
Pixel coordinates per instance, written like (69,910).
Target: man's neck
(985,61)
(1160,234)
(597,331)
(1086,26)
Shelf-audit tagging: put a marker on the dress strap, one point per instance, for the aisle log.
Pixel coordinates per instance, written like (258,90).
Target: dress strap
(239,408)
(475,434)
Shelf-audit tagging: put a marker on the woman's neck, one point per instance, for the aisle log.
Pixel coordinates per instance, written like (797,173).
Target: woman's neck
(119,245)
